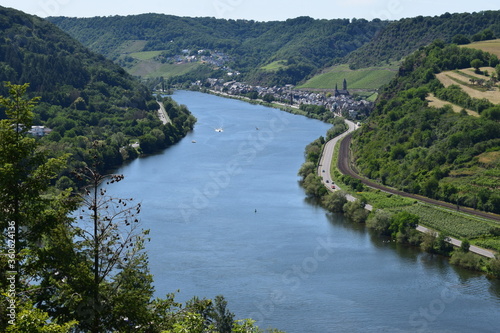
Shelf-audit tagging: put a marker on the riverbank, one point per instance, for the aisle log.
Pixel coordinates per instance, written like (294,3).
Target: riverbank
(290,258)
(325,172)
(334,185)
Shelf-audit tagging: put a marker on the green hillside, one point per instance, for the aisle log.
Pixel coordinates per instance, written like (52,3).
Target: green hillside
(277,53)
(301,45)
(84,97)
(491,46)
(363,79)
(434,152)
(405,36)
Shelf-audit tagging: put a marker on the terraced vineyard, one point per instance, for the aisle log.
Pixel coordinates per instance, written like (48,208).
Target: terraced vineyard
(454,223)
(366,78)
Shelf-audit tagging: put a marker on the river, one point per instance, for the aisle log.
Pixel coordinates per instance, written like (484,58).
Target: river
(227,216)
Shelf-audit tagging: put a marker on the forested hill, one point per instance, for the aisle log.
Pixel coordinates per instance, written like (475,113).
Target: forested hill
(405,36)
(435,151)
(84,97)
(300,46)
(36,51)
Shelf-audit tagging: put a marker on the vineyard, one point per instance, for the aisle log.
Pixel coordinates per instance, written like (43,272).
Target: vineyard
(452,223)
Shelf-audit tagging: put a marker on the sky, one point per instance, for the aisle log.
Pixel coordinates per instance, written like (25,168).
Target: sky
(258,10)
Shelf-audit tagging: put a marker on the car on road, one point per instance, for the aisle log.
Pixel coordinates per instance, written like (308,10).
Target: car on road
(333,186)
(327,181)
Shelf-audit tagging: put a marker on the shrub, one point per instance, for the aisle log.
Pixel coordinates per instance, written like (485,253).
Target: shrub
(467,260)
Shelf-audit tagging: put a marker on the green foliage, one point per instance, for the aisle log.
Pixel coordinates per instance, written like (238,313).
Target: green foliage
(306,169)
(467,260)
(494,267)
(492,243)
(314,187)
(334,202)
(313,151)
(402,224)
(367,78)
(455,224)
(464,247)
(476,63)
(82,94)
(339,127)
(274,53)
(380,222)
(438,243)
(25,173)
(34,320)
(354,183)
(429,151)
(355,211)
(311,108)
(407,35)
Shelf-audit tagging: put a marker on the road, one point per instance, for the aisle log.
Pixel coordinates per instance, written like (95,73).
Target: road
(326,159)
(345,168)
(162,113)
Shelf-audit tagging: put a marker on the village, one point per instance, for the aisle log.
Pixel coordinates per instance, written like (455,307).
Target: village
(339,101)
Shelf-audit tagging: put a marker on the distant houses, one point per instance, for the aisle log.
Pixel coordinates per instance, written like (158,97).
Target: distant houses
(39,131)
(339,102)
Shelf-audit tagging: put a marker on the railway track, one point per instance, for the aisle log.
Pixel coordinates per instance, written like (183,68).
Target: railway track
(345,168)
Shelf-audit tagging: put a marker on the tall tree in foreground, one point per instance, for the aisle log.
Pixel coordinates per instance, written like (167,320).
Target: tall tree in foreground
(112,245)
(25,176)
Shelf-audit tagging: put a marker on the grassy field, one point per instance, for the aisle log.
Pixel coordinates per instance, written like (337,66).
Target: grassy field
(274,66)
(132,46)
(439,103)
(145,55)
(491,46)
(366,78)
(151,69)
(461,78)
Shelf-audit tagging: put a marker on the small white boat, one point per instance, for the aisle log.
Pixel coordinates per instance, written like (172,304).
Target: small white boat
(219,129)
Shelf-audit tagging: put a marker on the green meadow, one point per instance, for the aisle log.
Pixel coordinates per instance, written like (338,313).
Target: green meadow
(366,79)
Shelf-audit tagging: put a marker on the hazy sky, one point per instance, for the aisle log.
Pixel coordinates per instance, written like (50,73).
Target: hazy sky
(259,10)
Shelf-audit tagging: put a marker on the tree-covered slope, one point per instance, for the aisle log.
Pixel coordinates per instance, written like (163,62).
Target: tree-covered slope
(84,97)
(434,152)
(303,44)
(401,38)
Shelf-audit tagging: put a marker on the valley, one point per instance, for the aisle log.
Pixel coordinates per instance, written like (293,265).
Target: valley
(102,117)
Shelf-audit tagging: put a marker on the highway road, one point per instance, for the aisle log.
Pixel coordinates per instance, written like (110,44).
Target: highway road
(162,113)
(345,168)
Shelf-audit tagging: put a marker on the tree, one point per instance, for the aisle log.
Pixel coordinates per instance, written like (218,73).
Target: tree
(442,245)
(355,211)
(111,247)
(334,202)
(494,266)
(31,319)
(465,245)
(402,223)
(25,176)
(314,186)
(476,64)
(460,39)
(380,222)
(306,169)
(223,319)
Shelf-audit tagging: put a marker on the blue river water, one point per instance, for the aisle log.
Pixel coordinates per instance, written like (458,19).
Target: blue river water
(228,217)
